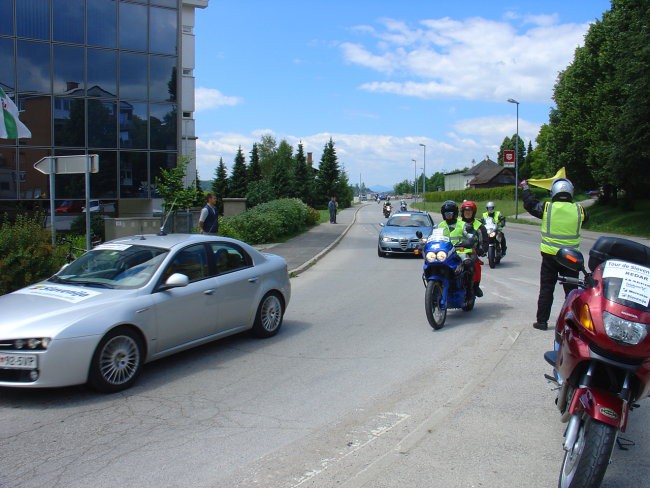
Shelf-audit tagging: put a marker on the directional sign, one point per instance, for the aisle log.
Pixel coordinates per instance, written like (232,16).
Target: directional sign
(68,164)
(508,159)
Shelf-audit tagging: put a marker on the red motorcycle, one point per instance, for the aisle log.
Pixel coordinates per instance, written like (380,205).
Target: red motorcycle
(601,359)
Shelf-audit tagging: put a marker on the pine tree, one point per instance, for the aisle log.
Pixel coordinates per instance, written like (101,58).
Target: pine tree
(282,174)
(239,177)
(328,175)
(303,177)
(254,168)
(220,184)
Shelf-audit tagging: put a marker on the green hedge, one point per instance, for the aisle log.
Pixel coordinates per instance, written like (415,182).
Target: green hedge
(26,253)
(479,195)
(269,222)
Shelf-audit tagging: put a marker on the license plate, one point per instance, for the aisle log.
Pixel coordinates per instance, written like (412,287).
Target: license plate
(18,361)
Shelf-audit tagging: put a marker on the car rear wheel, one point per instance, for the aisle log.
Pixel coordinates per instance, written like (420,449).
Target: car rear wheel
(117,361)
(269,316)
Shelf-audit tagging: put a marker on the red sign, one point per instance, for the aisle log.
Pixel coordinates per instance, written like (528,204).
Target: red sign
(508,159)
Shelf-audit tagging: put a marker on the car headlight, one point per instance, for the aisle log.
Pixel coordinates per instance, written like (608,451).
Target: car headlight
(388,239)
(32,343)
(441,255)
(623,330)
(430,257)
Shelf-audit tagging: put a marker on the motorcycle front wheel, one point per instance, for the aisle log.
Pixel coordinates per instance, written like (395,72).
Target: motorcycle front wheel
(585,464)
(432,298)
(492,256)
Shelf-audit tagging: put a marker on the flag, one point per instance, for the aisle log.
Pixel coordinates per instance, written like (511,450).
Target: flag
(10,126)
(547,182)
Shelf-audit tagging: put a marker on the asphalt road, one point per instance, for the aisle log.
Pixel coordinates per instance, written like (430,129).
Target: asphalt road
(355,391)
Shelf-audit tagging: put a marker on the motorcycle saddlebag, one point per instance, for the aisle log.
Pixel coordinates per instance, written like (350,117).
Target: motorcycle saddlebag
(618,248)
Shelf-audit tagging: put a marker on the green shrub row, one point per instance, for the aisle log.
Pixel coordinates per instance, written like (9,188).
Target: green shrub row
(26,253)
(478,195)
(269,221)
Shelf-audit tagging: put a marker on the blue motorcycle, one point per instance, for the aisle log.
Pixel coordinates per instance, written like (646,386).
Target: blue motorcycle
(448,277)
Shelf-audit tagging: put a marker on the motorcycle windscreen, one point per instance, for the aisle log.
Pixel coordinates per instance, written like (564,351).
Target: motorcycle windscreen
(627,284)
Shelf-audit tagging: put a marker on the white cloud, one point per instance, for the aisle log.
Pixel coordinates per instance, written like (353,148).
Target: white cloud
(208,98)
(474,58)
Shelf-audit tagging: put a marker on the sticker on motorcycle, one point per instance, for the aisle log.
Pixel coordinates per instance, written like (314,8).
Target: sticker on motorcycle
(635,285)
(608,412)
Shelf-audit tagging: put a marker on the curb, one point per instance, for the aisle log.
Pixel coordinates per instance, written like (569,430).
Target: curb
(305,266)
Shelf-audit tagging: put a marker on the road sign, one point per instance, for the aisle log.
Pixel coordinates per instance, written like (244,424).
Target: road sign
(68,164)
(508,159)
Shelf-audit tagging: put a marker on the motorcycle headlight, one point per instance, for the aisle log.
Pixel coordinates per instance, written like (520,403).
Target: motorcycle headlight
(492,234)
(441,255)
(622,330)
(430,257)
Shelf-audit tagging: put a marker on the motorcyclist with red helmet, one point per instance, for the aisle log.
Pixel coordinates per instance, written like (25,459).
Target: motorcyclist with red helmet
(468,211)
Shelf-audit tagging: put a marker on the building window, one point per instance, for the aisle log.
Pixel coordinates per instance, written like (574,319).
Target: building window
(102,20)
(163,29)
(68,21)
(33,19)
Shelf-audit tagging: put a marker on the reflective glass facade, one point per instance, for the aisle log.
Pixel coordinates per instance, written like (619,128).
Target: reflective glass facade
(90,77)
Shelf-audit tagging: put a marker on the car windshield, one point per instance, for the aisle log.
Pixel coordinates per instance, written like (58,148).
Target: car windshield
(408,221)
(627,284)
(113,266)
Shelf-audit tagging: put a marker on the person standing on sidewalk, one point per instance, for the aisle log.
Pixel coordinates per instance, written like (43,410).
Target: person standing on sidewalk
(209,218)
(332,205)
(562,221)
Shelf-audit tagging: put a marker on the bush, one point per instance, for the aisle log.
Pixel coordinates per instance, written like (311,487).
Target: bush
(313,217)
(267,222)
(26,253)
(478,195)
(96,226)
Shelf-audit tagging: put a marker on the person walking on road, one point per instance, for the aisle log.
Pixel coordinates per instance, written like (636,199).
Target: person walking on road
(332,205)
(209,218)
(562,221)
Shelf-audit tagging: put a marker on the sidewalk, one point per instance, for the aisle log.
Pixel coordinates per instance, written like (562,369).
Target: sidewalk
(304,250)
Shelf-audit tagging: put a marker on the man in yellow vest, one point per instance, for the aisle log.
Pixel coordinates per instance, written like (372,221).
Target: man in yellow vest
(562,221)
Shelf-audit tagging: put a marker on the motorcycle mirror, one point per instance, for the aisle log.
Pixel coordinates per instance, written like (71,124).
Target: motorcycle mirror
(571,259)
(418,234)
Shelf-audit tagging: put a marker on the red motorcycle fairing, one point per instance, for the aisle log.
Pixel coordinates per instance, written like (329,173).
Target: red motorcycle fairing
(600,405)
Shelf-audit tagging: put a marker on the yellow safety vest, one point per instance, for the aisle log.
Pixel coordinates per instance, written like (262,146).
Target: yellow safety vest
(561,224)
(497,214)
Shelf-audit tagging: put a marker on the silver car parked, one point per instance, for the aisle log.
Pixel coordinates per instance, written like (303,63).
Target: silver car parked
(133,300)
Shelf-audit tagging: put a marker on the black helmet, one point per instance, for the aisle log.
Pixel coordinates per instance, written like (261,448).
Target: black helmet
(449,206)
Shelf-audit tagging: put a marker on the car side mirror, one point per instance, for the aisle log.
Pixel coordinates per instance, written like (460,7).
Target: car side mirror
(381,224)
(177,280)
(571,259)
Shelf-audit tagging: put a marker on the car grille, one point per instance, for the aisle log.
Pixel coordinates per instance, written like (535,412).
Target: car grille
(405,243)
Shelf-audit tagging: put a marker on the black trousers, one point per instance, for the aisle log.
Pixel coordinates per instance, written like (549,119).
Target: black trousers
(549,272)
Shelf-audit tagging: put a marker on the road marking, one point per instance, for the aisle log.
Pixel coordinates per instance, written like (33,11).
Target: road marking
(386,422)
(367,476)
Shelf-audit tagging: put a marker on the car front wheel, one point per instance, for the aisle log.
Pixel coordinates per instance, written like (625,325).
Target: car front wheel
(117,361)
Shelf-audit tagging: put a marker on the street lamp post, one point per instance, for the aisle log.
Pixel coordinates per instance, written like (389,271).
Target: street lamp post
(424,181)
(415,180)
(512,100)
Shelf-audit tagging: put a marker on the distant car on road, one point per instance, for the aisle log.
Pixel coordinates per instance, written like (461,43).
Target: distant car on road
(593,193)
(398,235)
(134,300)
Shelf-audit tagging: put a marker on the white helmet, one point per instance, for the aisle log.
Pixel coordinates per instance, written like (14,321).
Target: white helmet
(490,207)
(562,189)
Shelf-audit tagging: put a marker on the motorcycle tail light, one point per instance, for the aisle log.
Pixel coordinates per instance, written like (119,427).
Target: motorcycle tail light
(585,318)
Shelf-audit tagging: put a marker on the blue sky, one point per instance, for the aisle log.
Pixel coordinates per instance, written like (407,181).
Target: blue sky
(380,77)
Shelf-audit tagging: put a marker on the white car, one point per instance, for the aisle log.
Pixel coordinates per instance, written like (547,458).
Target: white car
(99,206)
(133,300)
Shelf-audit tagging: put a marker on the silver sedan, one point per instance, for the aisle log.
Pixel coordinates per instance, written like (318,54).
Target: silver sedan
(134,300)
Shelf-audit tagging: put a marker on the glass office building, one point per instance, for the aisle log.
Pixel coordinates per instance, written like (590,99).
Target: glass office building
(106,77)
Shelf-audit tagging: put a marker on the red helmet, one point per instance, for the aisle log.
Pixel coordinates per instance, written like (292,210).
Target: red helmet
(468,204)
